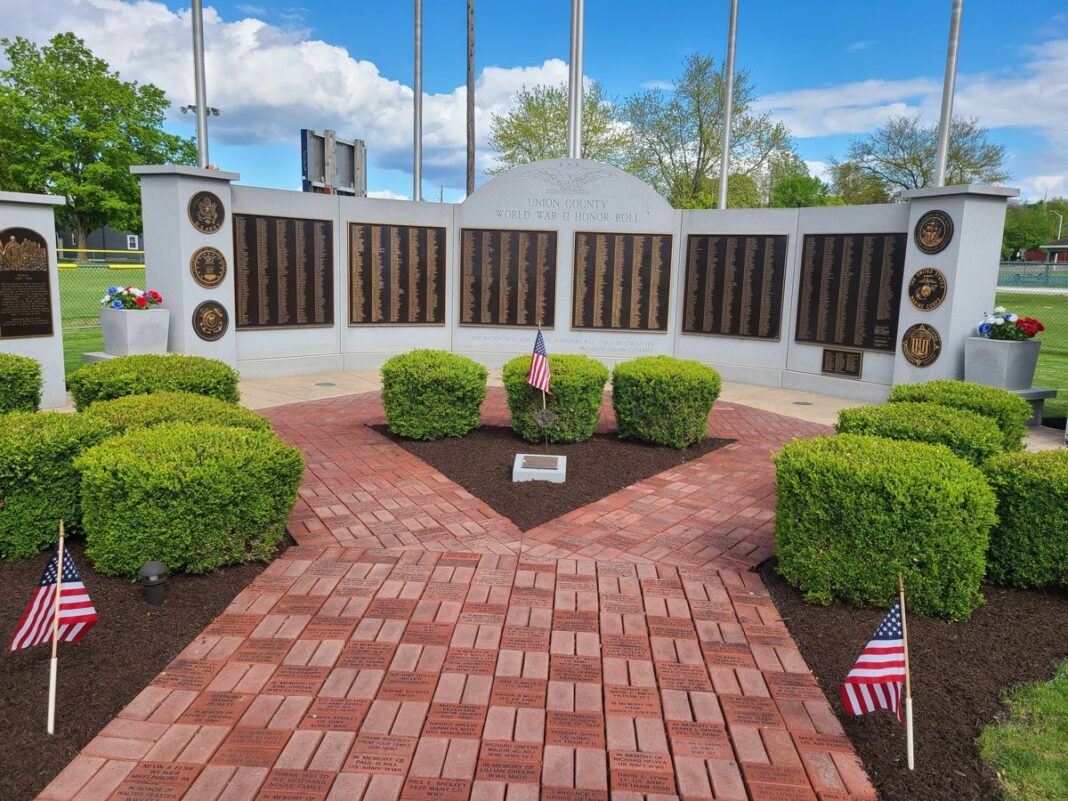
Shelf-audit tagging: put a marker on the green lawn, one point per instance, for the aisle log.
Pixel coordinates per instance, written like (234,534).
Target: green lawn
(80,290)
(1052,311)
(78,341)
(1029,749)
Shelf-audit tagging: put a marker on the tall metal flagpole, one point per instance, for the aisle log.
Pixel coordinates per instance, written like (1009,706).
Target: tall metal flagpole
(728,107)
(574,82)
(417,119)
(201,86)
(945,121)
(470,96)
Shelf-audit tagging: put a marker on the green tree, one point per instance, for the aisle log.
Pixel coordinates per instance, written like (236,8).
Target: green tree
(855,185)
(536,128)
(902,154)
(742,193)
(72,127)
(1026,227)
(678,135)
(796,191)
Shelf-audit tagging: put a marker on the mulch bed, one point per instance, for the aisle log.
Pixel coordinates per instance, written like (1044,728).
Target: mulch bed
(481,463)
(97,677)
(959,671)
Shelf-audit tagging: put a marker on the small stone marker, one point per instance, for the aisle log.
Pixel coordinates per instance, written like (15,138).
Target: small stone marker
(537,467)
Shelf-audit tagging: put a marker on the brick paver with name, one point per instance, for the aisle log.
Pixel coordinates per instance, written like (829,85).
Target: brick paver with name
(415,644)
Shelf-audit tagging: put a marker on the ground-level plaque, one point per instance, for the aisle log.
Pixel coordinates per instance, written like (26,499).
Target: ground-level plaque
(850,290)
(25,296)
(734,285)
(396,274)
(622,281)
(843,363)
(507,277)
(283,271)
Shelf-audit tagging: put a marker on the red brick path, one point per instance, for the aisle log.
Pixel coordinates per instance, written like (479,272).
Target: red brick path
(417,645)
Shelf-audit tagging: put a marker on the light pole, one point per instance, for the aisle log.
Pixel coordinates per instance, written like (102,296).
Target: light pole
(1060,221)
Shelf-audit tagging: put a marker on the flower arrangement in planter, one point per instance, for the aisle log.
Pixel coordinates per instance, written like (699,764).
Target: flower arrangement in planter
(133,321)
(1005,352)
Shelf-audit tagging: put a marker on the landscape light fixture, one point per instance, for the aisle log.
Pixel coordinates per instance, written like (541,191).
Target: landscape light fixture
(154,582)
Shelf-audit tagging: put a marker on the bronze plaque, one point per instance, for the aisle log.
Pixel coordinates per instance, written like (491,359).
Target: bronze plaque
(210,320)
(622,281)
(921,345)
(540,462)
(934,231)
(283,271)
(396,274)
(25,294)
(206,212)
(927,289)
(734,285)
(507,277)
(842,363)
(208,266)
(850,289)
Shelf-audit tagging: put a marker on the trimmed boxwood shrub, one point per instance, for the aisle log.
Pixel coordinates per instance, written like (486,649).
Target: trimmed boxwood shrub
(38,483)
(1029,546)
(20,383)
(1010,411)
(969,435)
(577,387)
(664,400)
(855,511)
(143,411)
(430,394)
(146,373)
(193,496)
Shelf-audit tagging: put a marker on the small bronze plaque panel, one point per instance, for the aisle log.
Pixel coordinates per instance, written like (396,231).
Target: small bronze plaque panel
(845,363)
(210,320)
(921,345)
(927,289)
(208,266)
(25,295)
(934,231)
(541,462)
(206,212)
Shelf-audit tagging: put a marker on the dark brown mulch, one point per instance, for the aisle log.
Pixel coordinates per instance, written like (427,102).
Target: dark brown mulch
(481,463)
(97,677)
(959,671)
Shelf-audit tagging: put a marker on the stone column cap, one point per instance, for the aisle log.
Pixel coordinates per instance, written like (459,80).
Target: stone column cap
(961,189)
(181,169)
(32,197)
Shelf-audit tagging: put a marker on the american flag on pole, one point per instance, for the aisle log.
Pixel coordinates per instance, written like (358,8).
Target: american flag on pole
(877,679)
(76,612)
(539,365)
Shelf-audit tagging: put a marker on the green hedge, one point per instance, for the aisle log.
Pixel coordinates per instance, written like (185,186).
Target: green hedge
(577,388)
(854,512)
(664,400)
(969,435)
(141,375)
(1010,411)
(430,394)
(38,483)
(193,496)
(1029,546)
(20,383)
(143,411)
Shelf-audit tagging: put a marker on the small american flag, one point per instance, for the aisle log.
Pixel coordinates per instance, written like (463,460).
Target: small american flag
(76,612)
(539,365)
(876,680)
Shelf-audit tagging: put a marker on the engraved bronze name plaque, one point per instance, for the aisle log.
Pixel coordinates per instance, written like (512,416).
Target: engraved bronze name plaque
(622,281)
(540,462)
(25,295)
(396,274)
(283,271)
(507,277)
(849,291)
(842,363)
(734,285)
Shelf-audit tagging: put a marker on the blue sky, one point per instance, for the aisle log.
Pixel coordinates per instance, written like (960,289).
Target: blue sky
(832,70)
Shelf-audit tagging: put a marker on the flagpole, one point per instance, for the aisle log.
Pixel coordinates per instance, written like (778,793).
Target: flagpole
(53,666)
(908,679)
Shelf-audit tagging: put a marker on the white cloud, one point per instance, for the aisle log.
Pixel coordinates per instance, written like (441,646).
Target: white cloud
(863,44)
(270,81)
(385,194)
(819,169)
(663,86)
(1037,187)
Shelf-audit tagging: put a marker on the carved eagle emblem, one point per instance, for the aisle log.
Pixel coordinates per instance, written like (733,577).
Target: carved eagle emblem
(571,181)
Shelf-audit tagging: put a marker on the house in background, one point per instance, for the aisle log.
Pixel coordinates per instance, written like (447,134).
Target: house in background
(102,246)
(1055,251)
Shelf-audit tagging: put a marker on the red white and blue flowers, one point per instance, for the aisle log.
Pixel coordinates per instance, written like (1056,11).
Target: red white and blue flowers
(130,297)
(1002,324)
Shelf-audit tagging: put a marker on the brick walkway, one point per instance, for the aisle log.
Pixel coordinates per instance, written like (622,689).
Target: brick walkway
(417,645)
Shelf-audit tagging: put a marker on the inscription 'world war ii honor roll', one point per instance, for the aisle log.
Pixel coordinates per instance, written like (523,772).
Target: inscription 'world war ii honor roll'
(206,212)
(934,231)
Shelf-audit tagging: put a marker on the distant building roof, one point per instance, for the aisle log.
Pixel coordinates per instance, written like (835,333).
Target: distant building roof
(1056,244)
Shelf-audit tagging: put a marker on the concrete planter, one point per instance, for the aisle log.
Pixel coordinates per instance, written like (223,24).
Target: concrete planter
(130,331)
(1001,363)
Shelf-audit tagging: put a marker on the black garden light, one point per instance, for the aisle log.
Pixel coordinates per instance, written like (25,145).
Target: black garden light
(154,582)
